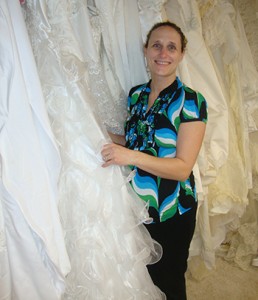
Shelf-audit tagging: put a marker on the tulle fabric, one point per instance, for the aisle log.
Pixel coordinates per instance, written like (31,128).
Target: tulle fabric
(107,243)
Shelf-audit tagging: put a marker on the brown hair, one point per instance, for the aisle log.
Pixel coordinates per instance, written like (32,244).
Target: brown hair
(172,25)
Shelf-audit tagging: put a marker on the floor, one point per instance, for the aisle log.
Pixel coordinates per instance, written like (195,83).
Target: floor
(226,282)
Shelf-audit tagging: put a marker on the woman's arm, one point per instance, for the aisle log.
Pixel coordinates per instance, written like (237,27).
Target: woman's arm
(190,137)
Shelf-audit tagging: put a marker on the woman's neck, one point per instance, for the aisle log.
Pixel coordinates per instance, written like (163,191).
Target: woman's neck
(159,84)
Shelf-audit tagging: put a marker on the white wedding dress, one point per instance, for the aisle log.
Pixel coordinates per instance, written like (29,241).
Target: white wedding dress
(107,243)
(33,256)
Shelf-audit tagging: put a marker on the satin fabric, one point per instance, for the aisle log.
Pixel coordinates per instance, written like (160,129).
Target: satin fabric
(34,260)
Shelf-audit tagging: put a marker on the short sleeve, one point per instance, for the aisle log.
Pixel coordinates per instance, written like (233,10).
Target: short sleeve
(195,107)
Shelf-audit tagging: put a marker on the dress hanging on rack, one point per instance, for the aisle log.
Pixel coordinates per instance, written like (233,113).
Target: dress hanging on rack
(33,256)
(107,243)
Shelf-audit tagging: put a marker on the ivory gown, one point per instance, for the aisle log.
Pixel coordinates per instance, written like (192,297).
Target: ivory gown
(107,243)
(225,36)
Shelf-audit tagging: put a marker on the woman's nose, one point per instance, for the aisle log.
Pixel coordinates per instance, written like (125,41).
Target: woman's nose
(163,51)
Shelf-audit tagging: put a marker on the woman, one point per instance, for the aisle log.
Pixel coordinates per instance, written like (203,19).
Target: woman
(163,135)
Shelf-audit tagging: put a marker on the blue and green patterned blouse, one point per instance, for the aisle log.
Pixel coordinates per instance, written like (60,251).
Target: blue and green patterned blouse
(155,133)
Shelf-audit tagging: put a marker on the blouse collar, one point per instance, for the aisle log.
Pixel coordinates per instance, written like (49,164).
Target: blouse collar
(169,89)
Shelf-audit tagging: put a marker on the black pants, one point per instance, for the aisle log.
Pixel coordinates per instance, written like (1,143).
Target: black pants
(175,236)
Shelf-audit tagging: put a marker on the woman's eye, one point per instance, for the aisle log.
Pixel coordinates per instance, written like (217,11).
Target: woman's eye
(171,47)
(157,46)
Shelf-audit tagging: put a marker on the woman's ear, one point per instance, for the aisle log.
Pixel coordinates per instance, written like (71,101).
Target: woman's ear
(182,55)
(144,51)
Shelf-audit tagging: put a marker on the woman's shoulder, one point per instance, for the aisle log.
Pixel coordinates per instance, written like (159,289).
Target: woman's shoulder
(193,94)
(191,91)
(195,103)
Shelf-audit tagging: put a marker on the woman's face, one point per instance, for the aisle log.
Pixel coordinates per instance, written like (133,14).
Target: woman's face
(164,53)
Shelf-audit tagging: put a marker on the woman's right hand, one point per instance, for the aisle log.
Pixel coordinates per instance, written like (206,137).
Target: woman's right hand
(114,154)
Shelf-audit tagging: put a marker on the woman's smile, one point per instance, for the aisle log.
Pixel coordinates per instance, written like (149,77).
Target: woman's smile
(161,62)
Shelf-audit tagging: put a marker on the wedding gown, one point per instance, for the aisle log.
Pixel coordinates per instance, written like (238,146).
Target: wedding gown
(122,43)
(107,243)
(226,39)
(150,12)
(113,64)
(33,256)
